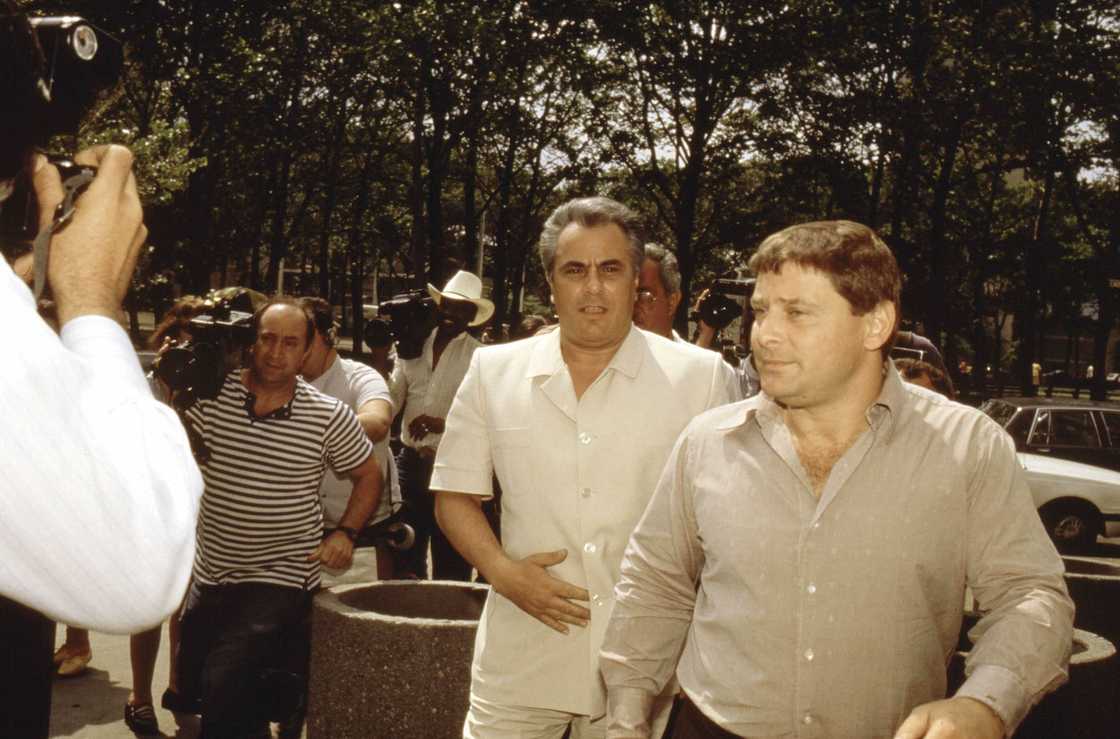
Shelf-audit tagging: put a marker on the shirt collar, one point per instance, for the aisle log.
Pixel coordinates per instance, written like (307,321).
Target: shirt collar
(884,412)
(548,360)
(881,413)
(283,413)
(334,366)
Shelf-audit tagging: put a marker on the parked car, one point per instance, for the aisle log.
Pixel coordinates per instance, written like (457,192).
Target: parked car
(1084,431)
(1076,502)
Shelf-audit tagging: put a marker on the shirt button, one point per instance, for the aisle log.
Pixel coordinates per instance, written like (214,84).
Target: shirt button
(596,600)
(586,492)
(589,548)
(816,525)
(808,655)
(811,589)
(806,719)
(585,438)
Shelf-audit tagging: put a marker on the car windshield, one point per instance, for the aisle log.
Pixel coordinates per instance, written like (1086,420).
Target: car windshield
(1000,411)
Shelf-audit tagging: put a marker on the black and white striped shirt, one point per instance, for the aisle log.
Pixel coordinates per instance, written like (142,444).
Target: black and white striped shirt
(261,516)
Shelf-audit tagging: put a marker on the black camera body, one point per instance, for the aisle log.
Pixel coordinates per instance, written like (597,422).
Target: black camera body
(411,317)
(79,62)
(196,369)
(724,302)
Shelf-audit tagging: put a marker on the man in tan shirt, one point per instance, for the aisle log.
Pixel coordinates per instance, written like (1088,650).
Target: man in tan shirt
(576,425)
(803,563)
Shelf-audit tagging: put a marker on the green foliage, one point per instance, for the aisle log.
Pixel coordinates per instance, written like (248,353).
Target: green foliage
(347,138)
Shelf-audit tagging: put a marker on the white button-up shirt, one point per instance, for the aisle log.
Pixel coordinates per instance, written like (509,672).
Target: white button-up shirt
(576,474)
(99,492)
(424,390)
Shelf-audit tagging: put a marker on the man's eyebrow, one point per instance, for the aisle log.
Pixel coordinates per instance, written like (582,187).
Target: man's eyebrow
(789,302)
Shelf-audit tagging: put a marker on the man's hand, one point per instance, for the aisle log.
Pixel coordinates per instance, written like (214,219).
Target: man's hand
(548,599)
(336,551)
(953,718)
(423,425)
(92,259)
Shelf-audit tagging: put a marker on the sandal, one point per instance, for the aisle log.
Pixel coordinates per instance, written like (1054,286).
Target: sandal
(141,718)
(64,653)
(73,663)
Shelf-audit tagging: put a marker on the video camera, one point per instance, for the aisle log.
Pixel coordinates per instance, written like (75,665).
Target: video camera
(54,85)
(718,308)
(411,317)
(196,369)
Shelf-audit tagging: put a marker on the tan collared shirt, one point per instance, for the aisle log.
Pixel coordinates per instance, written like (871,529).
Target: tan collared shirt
(576,474)
(835,617)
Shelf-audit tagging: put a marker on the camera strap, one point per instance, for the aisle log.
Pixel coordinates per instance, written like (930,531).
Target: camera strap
(72,187)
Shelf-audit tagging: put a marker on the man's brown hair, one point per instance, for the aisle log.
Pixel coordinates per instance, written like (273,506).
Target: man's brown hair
(853,257)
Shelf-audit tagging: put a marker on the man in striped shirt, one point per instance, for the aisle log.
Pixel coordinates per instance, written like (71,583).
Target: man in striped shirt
(269,438)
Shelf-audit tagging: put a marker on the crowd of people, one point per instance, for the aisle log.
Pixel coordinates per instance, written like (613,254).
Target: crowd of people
(676,545)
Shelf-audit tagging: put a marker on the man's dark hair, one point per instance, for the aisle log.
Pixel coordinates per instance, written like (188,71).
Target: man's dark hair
(177,319)
(23,107)
(284,300)
(322,316)
(856,261)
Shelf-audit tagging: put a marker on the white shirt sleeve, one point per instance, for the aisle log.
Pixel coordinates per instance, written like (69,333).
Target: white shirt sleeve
(99,493)
(367,384)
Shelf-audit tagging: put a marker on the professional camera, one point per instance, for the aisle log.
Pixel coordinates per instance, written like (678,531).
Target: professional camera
(196,369)
(54,84)
(718,308)
(411,317)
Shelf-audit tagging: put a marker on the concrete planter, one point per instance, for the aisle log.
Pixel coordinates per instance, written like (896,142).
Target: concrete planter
(1083,708)
(392,659)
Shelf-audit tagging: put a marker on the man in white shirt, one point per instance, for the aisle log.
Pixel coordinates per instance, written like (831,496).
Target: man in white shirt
(98,475)
(366,393)
(659,292)
(425,386)
(576,424)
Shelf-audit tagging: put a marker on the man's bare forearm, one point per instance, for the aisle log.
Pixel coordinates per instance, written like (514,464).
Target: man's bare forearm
(365,496)
(461,518)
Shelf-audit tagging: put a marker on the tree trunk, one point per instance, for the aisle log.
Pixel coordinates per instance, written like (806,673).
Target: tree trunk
(1034,269)
(936,304)
(416,193)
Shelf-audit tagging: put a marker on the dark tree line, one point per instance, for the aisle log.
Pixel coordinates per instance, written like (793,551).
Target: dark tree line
(346,138)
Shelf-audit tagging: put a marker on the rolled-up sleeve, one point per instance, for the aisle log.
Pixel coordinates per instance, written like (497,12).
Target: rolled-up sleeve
(463,462)
(654,601)
(1022,644)
(100,491)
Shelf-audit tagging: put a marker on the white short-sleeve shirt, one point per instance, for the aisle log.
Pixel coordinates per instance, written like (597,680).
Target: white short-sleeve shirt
(356,384)
(576,474)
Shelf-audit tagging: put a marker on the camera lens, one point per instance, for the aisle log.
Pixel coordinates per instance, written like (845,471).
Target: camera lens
(84,42)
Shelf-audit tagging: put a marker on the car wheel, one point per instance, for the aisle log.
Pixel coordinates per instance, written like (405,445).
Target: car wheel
(1072,526)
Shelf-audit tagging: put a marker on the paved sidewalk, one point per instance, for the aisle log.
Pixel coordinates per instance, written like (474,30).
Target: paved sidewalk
(91,706)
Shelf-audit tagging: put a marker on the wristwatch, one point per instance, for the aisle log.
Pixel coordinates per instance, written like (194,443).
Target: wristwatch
(351,533)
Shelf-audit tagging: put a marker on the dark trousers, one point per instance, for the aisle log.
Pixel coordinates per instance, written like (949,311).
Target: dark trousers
(26,645)
(415,474)
(244,652)
(688,723)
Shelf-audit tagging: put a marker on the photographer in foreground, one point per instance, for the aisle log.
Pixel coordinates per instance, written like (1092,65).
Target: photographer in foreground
(98,475)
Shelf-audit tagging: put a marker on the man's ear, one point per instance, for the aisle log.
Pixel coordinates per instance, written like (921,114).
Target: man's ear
(878,323)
